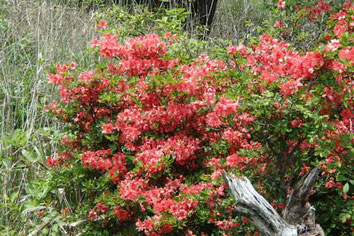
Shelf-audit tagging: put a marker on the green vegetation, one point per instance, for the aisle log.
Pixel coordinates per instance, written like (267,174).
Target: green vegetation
(36,35)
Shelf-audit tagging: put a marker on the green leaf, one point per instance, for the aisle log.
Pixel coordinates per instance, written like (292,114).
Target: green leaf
(13,196)
(55,228)
(346,188)
(28,156)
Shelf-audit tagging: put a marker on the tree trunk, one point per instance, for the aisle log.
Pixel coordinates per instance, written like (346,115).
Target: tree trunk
(298,218)
(204,11)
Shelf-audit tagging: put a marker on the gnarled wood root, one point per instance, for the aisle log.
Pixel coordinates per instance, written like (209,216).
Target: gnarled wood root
(298,218)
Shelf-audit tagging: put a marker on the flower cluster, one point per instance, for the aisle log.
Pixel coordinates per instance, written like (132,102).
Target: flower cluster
(155,134)
(150,135)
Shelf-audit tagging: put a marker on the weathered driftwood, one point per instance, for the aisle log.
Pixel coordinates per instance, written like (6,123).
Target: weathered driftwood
(260,213)
(298,218)
(298,210)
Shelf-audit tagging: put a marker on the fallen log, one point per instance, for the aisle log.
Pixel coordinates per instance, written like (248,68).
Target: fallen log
(298,218)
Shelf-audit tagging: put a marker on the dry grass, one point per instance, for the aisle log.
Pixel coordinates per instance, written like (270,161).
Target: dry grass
(34,35)
(37,35)
(237,20)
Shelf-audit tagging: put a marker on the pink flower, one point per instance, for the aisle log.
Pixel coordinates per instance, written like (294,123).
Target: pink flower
(55,79)
(121,214)
(146,225)
(347,54)
(279,24)
(52,162)
(101,207)
(330,183)
(226,107)
(107,128)
(189,233)
(87,76)
(281,4)
(242,49)
(213,120)
(337,66)
(290,87)
(277,104)
(340,29)
(235,160)
(297,123)
(333,45)
(102,24)
(92,215)
(131,189)
(231,50)
(168,35)
(268,77)
(73,65)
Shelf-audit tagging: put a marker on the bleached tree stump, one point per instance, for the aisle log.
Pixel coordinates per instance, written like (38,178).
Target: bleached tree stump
(298,218)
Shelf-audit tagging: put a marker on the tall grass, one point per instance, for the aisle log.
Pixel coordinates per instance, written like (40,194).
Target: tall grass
(237,20)
(34,35)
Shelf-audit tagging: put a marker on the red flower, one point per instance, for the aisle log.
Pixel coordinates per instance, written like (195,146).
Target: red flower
(297,123)
(40,213)
(131,189)
(52,162)
(101,207)
(107,128)
(146,225)
(121,214)
(55,79)
(168,35)
(102,24)
(279,24)
(213,120)
(235,160)
(347,54)
(333,45)
(290,87)
(92,215)
(330,183)
(231,50)
(166,228)
(281,4)
(340,29)
(346,114)
(268,77)
(245,220)
(226,107)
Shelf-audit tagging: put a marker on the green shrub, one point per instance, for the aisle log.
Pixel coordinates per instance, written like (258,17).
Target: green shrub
(150,134)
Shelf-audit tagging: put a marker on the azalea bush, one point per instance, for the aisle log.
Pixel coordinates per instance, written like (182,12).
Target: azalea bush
(303,106)
(149,134)
(301,23)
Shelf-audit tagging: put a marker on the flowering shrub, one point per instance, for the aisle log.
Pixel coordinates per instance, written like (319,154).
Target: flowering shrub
(150,135)
(300,22)
(303,109)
